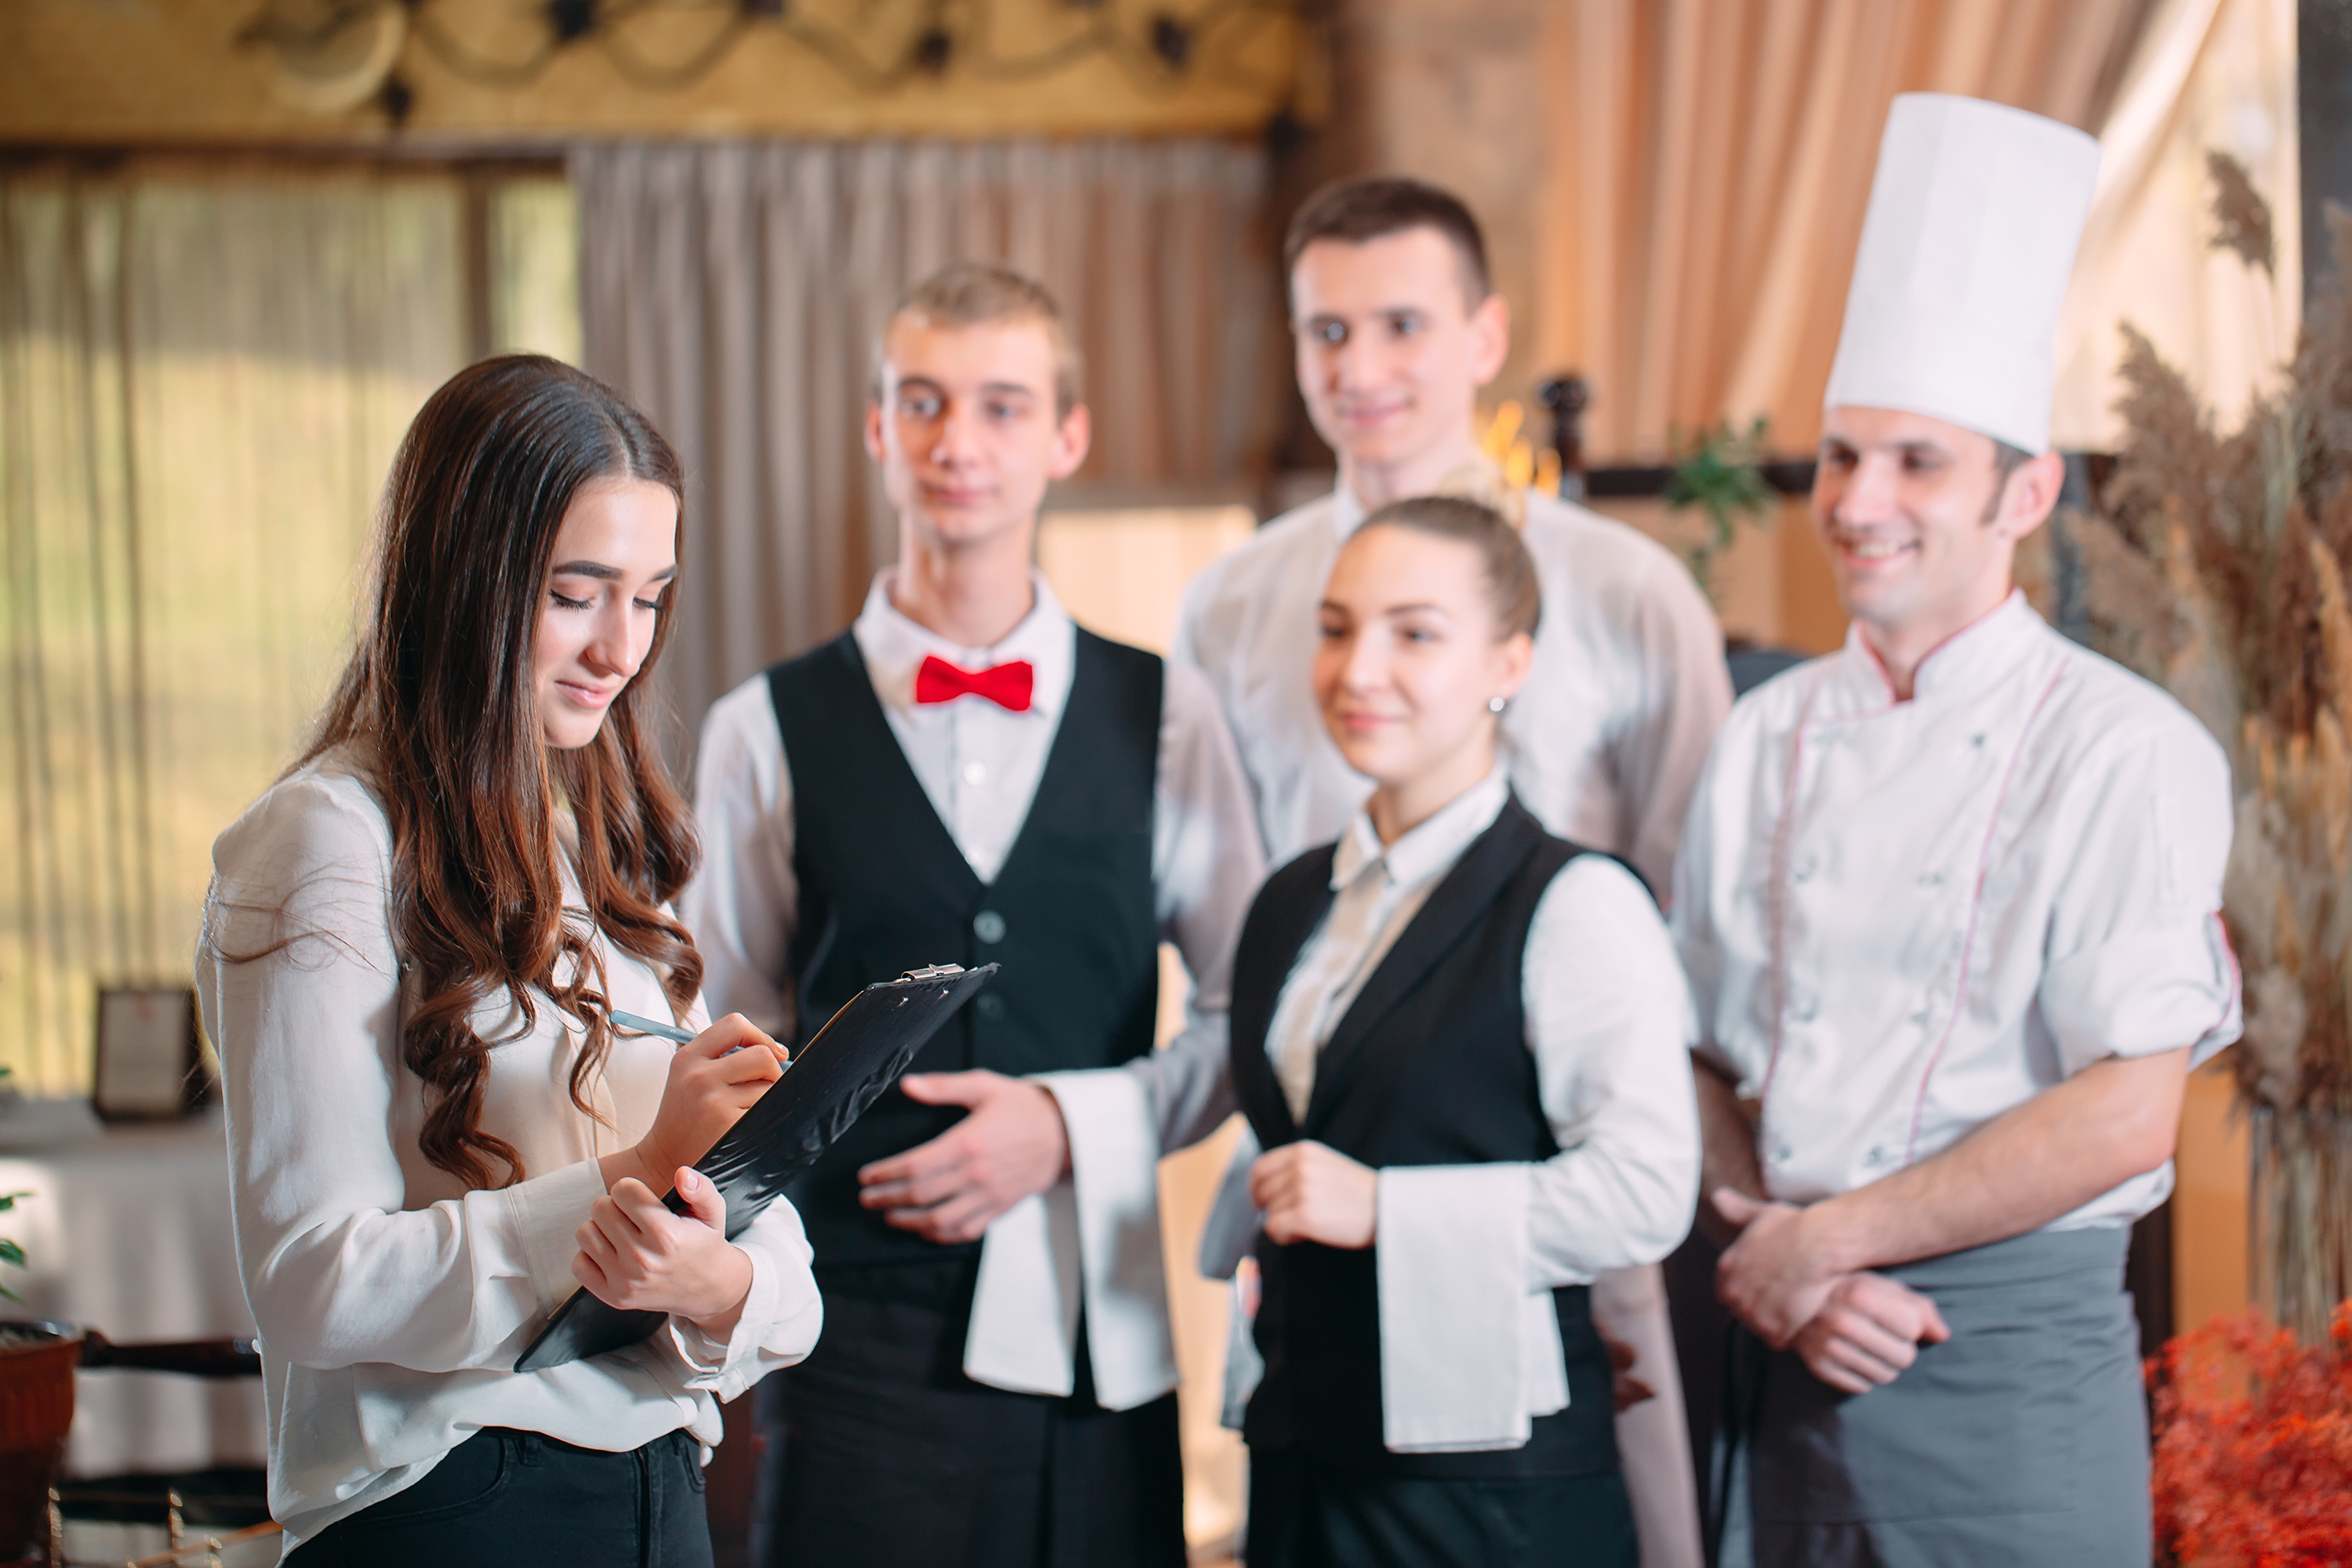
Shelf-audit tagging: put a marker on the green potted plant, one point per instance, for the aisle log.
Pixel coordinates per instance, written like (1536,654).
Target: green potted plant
(36,1404)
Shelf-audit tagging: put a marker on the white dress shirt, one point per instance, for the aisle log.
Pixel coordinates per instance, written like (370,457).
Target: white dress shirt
(1604,741)
(1093,1238)
(391,1300)
(1902,919)
(1468,1255)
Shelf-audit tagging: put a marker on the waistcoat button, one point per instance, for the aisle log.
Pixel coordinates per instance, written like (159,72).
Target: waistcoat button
(989,1005)
(988,926)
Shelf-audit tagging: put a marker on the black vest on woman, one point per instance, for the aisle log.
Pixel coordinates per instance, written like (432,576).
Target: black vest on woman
(1429,1067)
(884,888)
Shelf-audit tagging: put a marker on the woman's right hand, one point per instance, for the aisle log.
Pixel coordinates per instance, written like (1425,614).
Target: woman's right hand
(708,1087)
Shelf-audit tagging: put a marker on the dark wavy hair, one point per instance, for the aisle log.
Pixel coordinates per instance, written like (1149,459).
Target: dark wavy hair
(439,698)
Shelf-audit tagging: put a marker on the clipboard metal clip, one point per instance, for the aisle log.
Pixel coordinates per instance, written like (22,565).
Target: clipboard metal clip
(934,971)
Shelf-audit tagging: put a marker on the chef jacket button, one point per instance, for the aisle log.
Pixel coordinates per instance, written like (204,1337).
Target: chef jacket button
(1803,871)
(1877,1156)
(1931,879)
(988,926)
(989,1005)
(1976,740)
(1803,1011)
(1780,1153)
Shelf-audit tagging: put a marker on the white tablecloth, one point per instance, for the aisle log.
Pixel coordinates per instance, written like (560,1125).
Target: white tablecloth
(127,1231)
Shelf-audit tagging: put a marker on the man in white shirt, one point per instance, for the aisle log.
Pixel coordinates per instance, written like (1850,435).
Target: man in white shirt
(967,777)
(1948,903)
(1398,330)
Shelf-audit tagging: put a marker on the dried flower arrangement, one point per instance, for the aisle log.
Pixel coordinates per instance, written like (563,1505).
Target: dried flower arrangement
(2218,567)
(2253,1445)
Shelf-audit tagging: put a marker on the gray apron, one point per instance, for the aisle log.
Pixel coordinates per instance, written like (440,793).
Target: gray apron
(2022,1440)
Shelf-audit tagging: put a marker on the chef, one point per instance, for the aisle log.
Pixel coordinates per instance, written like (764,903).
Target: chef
(1397,329)
(965,775)
(1948,899)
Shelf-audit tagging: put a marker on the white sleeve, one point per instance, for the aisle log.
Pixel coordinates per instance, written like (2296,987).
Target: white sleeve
(336,1270)
(743,905)
(2138,963)
(1686,690)
(781,1315)
(1207,864)
(1466,1253)
(1698,945)
(1610,1023)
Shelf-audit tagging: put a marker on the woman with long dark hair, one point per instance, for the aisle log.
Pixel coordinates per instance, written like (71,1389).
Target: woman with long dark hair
(414,947)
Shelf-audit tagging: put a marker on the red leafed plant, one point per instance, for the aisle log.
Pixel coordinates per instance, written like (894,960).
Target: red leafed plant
(2253,1445)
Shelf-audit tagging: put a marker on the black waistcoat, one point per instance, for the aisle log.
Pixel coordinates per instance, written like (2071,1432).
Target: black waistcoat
(883,890)
(1429,1067)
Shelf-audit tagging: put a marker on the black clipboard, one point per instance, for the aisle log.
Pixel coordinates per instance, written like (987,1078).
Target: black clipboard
(831,1080)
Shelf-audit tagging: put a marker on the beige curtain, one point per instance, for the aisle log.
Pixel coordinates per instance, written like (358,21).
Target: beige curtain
(202,374)
(2209,76)
(1709,164)
(733,291)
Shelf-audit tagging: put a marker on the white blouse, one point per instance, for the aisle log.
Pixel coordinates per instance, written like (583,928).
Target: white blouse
(1470,1348)
(1902,919)
(392,1300)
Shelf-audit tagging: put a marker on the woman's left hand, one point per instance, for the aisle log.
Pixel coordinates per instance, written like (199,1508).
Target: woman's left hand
(637,1254)
(1311,1192)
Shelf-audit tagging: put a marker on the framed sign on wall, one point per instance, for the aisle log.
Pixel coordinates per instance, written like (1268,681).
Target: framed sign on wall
(150,1065)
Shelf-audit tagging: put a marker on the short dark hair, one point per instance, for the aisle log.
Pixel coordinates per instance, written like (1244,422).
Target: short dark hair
(970,293)
(1512,592)
(1354,211)
(2006,460)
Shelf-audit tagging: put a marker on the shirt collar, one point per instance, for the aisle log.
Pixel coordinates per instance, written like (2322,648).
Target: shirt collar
(894,646)
(1346,513)
(1430,847)
(1980,654)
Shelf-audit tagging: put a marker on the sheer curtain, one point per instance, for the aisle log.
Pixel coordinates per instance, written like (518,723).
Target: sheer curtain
(733,290)
(202,374)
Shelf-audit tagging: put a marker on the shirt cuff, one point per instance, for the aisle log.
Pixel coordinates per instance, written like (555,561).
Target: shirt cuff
(545,1212)
(2143,993)
(1115,1167)
(1464,1366)
(781,1316)
(1096,1238)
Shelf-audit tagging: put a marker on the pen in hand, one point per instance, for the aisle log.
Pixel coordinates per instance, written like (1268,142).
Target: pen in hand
(644,1025)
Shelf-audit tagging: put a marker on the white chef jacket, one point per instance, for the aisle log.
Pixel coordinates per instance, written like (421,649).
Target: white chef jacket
(1902,919)
(1094,1237)
(1604,741)
(392,1300)
(1468,1255)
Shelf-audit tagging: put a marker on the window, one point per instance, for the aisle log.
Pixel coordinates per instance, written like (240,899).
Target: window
(204,372)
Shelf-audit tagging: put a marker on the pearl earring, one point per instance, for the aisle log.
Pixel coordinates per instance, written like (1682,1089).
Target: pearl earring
(1496,704)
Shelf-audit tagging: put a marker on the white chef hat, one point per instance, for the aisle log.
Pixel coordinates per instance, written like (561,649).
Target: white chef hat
(1953,312)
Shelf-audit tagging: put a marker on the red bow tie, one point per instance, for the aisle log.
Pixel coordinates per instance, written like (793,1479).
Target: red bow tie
(1006,685)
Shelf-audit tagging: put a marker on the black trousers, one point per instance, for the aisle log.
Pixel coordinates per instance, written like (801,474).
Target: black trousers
(504,1499)
(1306,1514)
(881,1454)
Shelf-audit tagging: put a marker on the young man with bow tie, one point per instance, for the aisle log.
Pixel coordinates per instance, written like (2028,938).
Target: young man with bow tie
(967,777)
